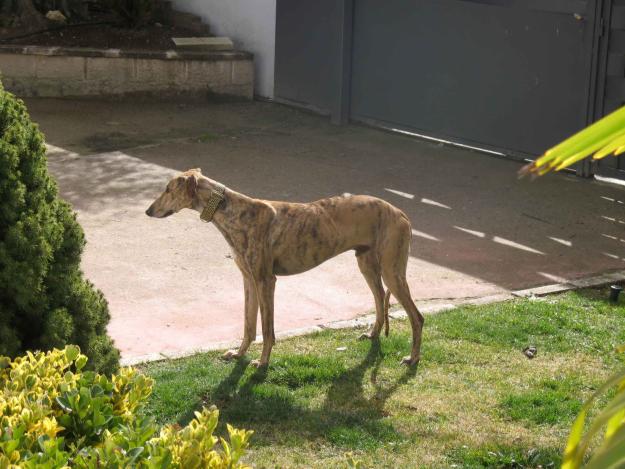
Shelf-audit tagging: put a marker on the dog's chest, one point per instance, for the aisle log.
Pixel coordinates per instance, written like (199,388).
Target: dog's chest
(301,248)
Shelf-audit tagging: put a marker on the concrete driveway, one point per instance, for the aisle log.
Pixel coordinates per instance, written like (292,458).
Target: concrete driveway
(171,284)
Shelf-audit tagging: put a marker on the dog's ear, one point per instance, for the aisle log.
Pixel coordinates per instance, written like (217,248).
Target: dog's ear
(192,185)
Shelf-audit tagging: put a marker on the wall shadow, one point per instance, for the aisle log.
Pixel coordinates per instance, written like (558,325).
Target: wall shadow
(470,212)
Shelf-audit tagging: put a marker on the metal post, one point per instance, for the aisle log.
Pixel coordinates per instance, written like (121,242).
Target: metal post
(340,108)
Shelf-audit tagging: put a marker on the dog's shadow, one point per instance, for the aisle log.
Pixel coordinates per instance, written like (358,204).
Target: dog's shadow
(255,401)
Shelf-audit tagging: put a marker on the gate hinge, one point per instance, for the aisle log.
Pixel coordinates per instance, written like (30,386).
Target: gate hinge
(601,27)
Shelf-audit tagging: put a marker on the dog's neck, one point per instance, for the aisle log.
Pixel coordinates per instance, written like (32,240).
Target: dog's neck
(228,209)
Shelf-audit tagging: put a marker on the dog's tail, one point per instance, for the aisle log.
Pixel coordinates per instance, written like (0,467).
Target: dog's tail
(386,305)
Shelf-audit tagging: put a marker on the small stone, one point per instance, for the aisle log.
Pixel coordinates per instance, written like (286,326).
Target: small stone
(56,16)
(341,349)
(530,352)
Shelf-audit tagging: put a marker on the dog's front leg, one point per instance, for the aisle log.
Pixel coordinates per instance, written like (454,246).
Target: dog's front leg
(265,288)
(251,313)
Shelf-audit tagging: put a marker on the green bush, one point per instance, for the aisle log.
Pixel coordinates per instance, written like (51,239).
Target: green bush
(44,300)
(54,415)
(70,8)
(134,12)
(610,450)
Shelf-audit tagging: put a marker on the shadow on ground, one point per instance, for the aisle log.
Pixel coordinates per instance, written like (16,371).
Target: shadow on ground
(478,230)
(347,417)
(469,211)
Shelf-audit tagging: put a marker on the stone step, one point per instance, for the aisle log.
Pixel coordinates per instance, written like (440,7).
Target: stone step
(203,43)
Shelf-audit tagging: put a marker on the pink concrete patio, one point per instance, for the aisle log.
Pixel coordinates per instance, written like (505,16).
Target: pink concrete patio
(171,284)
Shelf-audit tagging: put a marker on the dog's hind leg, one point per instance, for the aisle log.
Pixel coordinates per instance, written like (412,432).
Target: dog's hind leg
(251,314)
(399,288)
(370,268)
(394,261)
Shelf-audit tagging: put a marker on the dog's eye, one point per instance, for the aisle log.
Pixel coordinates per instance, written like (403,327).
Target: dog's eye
(167,190)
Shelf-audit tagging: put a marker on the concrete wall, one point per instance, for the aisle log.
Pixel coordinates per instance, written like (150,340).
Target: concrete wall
(251,24)
(56,72)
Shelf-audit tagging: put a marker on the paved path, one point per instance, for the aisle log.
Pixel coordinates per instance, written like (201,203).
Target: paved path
(171,284)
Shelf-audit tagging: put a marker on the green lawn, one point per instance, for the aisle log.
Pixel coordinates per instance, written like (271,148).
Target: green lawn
(474,401)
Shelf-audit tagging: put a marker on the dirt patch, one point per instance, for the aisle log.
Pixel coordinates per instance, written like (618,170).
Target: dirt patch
(105,36)
(102,141)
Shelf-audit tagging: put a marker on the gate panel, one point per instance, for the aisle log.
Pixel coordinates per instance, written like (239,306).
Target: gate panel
(308,52)
(503,74)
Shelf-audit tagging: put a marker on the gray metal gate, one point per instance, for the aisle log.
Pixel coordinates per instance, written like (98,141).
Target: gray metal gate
(511,75)
(308,53)
(610,89)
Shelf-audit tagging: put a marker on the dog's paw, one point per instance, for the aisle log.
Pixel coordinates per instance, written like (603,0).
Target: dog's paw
(258,364)
(409,361)
(231,354)
(368,335)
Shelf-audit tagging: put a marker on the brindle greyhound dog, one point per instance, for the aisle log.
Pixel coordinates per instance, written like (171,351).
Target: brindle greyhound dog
(280,238)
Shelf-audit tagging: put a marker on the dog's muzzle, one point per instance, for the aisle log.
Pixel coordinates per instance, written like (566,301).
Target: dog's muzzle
(150,213)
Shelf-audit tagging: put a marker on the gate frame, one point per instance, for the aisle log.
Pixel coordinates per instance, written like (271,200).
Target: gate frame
(342,102)
(598,71)
(601,55)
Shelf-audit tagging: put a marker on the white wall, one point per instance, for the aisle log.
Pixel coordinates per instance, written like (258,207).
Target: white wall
(251,24)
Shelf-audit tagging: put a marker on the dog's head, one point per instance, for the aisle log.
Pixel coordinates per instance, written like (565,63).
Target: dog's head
(179,194)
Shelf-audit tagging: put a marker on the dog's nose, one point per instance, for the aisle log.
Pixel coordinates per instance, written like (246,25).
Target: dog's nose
(148,212)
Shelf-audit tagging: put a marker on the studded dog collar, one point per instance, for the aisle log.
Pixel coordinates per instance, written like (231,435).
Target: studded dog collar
(216,197)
